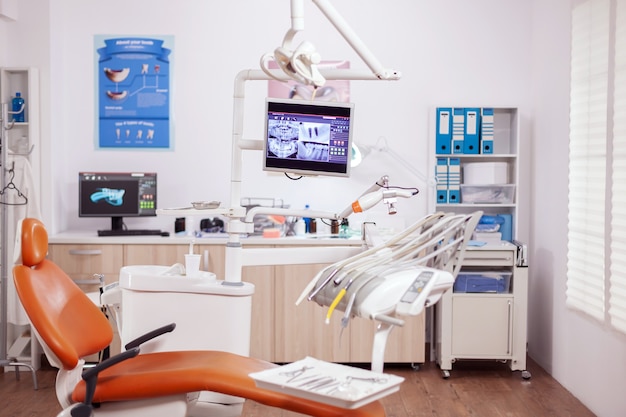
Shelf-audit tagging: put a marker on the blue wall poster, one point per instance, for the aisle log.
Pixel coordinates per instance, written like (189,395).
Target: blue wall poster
(133,92)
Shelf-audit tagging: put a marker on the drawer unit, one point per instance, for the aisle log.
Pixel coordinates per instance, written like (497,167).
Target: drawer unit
(489,323)
(489,257)
(81,262)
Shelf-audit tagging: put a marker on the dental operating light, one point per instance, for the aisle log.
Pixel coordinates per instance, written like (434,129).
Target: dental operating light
(301,63)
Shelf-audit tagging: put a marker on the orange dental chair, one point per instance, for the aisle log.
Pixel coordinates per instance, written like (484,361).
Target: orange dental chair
(70,326)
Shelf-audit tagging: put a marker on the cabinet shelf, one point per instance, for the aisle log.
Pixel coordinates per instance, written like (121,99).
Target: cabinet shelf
(477,206)
(505,138)
(482,294)
(477,156)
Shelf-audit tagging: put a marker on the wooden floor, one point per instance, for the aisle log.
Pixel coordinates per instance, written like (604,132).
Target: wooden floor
(474,389)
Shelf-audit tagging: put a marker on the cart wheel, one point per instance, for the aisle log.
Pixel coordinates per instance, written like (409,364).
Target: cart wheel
(445,374)
(526,375)
(415,366)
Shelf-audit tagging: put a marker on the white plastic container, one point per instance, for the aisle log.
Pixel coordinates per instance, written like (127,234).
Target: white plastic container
(487,194)
(482,173)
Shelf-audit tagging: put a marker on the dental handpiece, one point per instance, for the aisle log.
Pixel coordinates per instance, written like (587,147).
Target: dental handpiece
(319,288)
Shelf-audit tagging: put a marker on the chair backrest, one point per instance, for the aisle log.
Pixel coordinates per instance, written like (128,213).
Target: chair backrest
(68,324)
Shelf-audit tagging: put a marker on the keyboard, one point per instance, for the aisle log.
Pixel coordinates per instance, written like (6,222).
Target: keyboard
(133,232)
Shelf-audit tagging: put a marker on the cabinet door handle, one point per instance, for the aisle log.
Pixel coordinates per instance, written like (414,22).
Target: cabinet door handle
(85,252)
(93,281)
(508,341)
(495,258)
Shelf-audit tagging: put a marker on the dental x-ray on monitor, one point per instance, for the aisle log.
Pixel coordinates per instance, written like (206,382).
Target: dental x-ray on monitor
(308,137)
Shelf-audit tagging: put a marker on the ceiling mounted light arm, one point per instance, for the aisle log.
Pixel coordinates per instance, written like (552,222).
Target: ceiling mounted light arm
(301,64)
(355,42)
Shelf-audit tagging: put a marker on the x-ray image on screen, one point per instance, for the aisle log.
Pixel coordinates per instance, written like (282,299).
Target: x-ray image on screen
(308,137)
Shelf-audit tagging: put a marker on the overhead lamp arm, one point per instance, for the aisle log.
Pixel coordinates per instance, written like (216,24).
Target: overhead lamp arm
(301,63)
(355,42)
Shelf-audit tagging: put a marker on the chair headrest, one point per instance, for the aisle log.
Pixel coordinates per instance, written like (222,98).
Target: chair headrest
(34,245)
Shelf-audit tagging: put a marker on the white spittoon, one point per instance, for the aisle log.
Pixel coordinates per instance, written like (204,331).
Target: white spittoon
(209,314)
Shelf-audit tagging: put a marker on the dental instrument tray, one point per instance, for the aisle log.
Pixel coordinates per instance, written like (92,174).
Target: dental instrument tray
(205,205)
(330,383)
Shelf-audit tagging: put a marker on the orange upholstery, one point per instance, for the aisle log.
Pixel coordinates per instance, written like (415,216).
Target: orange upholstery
(34,242)
(189,371)
(72,327)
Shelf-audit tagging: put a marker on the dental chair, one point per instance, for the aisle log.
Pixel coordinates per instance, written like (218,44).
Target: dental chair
(70,326)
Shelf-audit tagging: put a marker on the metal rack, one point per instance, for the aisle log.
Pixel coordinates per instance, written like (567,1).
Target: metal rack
(5,360)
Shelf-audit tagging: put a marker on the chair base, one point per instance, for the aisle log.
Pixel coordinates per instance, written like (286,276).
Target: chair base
(171,406)
(11,362)
(207,409)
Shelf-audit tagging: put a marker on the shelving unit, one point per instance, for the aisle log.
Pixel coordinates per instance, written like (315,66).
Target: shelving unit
(480,324)
(26,81)
(505,150)
(21,139)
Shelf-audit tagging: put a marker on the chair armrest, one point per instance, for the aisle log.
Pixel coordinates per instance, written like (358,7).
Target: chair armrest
(91,375)
(150,335)
(91,378)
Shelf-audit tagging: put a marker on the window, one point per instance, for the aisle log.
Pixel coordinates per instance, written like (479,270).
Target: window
(596,276)
(617,300)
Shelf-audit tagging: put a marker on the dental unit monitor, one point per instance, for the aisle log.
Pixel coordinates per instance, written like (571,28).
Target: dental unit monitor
(118,195)
(308,137)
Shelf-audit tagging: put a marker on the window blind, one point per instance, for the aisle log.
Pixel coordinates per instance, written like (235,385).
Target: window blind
(588,157)
(617,292)
(596,275)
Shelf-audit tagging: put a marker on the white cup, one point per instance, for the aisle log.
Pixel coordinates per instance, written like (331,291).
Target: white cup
(192,264)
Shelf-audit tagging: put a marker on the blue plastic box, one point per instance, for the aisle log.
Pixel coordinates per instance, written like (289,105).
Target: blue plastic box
(483,282)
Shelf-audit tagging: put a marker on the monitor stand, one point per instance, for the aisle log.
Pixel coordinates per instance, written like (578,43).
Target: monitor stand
(117,229)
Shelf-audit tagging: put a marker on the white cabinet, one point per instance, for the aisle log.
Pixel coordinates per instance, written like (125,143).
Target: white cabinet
(21,138)
(487,180)
(481,325)
(485,325)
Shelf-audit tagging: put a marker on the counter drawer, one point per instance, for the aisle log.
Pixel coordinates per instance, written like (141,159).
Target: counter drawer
(489,258)
(81,262)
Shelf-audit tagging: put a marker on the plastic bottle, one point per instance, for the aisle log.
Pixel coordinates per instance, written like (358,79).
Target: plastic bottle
(307,221)
(300,227)
(16,105)
(344,228)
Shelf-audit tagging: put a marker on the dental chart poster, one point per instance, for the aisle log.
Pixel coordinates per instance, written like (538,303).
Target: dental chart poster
(133,92)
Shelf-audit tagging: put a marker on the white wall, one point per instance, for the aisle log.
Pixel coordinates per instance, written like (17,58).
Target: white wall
(585,356)
(212,44)
(523,62)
